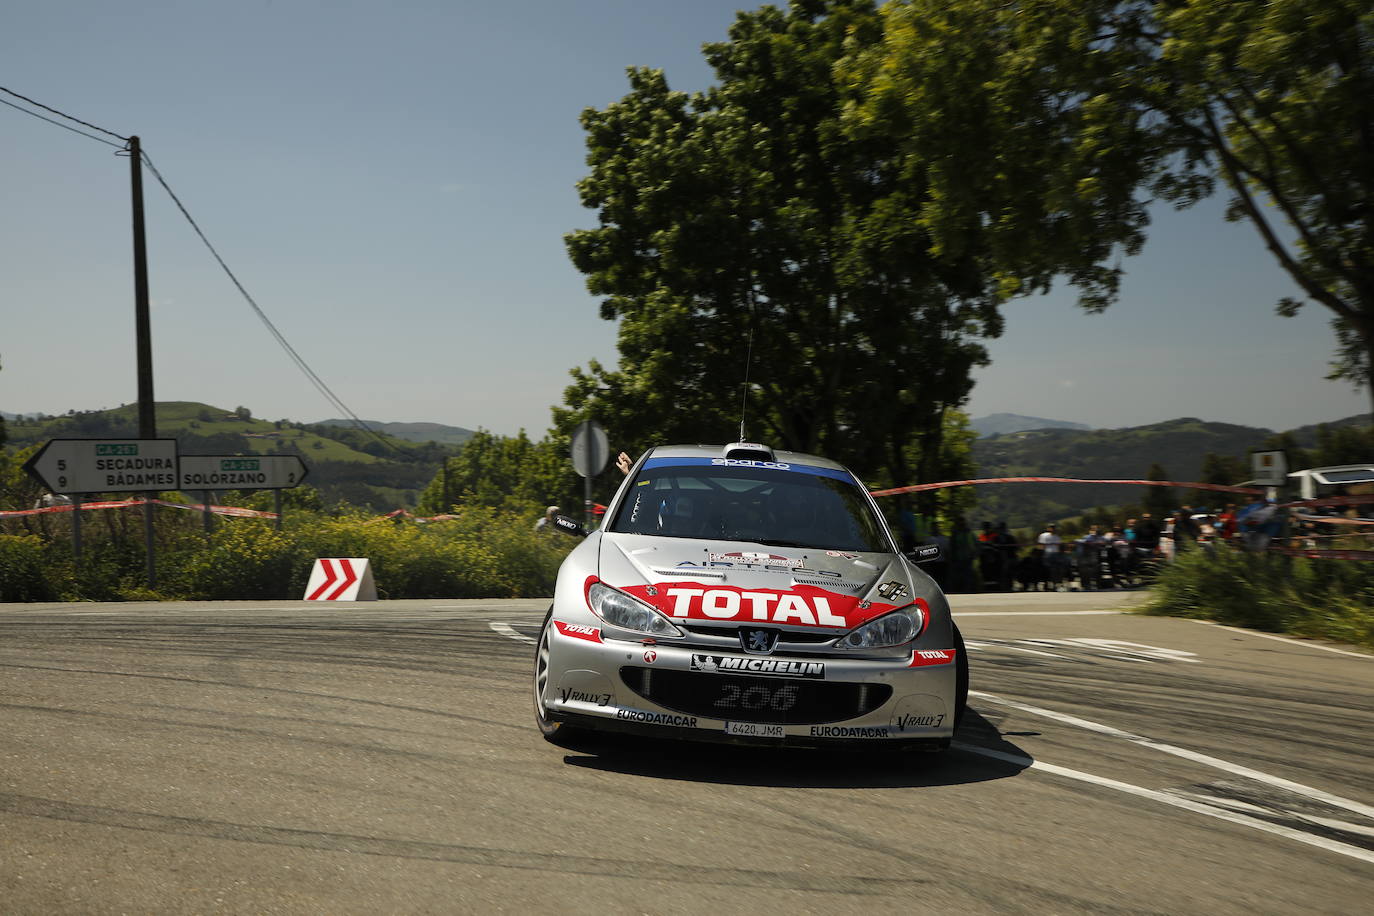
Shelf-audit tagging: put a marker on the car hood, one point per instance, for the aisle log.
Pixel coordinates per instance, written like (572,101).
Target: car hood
(728,583)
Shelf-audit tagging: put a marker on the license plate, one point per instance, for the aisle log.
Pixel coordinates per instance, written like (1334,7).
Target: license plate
(753,729)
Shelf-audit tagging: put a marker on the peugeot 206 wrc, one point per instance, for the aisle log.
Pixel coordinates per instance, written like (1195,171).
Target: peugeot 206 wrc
(737,594)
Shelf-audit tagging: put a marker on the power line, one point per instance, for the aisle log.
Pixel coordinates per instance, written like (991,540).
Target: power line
(63,114)
(280,338)
(59,124)
(300,362)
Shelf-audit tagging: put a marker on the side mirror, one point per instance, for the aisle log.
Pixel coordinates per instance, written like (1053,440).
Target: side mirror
(926,553)
(568,526)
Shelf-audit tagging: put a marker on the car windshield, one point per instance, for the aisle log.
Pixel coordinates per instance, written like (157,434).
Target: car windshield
(779,505)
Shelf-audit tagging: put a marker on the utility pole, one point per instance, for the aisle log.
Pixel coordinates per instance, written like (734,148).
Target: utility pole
(147,416)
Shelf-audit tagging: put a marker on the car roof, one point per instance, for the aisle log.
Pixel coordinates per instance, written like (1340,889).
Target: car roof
(717,451)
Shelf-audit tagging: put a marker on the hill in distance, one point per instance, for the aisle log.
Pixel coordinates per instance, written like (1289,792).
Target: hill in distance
(413,432)
(1002,423)
(346,464)
(1179,446)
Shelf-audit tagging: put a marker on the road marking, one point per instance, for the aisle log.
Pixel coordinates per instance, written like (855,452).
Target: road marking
(1216,763)
(968,643)
(1035,613)
(1138,651)
(1233,817)
(1306,644)
(1237,805)
(1116,649)
(509,631)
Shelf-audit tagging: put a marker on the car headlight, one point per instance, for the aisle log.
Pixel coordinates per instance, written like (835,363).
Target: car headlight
(889,630)
(627,613)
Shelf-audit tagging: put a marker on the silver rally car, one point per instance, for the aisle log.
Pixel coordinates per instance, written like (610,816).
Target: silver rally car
(737,594)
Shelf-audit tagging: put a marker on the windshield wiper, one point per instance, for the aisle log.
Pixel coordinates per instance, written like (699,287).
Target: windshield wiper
(775,542)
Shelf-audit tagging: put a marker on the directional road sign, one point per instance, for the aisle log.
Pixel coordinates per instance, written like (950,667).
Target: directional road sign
(105,465)
(241,472)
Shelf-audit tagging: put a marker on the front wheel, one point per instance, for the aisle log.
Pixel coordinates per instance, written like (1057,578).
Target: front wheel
(960,678)
(554,732)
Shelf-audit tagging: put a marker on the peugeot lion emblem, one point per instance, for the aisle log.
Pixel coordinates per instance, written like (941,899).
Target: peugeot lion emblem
(758,642)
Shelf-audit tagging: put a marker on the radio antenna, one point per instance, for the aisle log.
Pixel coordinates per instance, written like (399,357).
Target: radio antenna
(748,361)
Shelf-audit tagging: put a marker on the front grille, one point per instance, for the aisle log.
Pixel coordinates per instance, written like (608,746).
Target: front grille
(791,637)
(755,699)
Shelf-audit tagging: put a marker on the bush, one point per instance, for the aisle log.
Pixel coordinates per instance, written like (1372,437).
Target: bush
(486,553)
(24,571)
(1330,599)
(243,560)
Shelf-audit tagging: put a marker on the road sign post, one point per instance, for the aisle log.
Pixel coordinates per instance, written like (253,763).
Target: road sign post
(242,472)
(590,450)
(75,466)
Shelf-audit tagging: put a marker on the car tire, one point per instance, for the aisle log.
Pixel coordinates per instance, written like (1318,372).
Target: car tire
(558,733)
(960,678)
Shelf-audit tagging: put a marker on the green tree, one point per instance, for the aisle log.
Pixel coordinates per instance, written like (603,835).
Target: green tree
(511,472)
(1158,501)
(1225,470)
(1343,445)
(743,234)
(1042,128)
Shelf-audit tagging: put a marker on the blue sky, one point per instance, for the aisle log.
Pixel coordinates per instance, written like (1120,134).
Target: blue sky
(392,181)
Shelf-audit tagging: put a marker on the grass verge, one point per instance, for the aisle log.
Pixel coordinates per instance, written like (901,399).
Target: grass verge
(1324,599)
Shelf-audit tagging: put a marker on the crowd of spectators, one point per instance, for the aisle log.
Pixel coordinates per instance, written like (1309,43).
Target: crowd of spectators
(1106,556)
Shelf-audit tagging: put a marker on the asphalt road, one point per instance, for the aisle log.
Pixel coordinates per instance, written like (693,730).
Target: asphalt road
(285,757)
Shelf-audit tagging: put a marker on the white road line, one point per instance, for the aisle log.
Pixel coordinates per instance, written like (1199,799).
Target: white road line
(1236,805)
(970,644)
(1306,644)
(1034,613)
(1344,849)
(509,631)
(1235,769)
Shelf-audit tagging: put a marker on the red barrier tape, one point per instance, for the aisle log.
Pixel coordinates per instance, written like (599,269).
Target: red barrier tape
(1318,553)
(44,510)
(1333,519)
(1332,501)
(131,503)
(921,487)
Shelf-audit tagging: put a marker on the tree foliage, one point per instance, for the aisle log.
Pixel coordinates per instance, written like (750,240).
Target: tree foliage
(509,472)
(744,233)
(1159,501)
(1041,130)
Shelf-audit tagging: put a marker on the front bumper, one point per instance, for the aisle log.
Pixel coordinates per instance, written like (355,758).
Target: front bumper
(820,700)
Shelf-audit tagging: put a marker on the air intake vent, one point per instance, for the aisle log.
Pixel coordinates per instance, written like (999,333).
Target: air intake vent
(752,451)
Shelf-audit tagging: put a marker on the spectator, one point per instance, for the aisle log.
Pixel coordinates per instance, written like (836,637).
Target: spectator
(963,547)
(1259,523)
(1147,533)
(546,523)
(1006,546)
(1128,532)
(1120,559)
(1226,522)
(1088,553)
(939,569)
(1186,530)
(1055,560)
